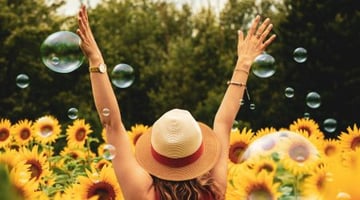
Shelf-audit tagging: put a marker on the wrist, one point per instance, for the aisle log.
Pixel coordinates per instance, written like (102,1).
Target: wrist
(243,64)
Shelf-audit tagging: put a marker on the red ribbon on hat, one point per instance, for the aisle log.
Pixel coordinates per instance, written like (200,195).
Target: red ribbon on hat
(177,162)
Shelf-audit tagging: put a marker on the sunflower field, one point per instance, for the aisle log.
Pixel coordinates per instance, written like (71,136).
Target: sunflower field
(295,162)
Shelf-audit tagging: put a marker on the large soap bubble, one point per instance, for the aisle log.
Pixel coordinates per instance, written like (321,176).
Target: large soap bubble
(264,66)
(61,52)
(122,76)
(283,143)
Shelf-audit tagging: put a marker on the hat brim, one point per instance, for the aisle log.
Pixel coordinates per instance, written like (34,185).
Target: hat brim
(202,165)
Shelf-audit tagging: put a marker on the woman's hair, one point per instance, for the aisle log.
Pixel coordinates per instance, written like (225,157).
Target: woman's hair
(198,188)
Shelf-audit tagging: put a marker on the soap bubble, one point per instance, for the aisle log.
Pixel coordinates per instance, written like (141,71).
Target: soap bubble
(105,112)
(22,81)
(282,143)
(122,76)
(330,125)
(109,152)
(313,100)
(306,115)
(289,92)
(72,113)
(252,106)
(300,55)
(61,52)
(264,66)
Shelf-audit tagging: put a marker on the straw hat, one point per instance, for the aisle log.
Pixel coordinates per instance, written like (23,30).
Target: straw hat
(177,147)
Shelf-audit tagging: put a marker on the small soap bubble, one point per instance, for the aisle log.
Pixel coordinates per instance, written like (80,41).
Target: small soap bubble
(235,124)
(72,113)
(61,52)
(313,100)
(264,66)
(22,81)
(122,76)
(330,125)
(109,152)
(306,115)
(242,102)
(289,92)
(300,55)
(252,106)
(343,196)
(106,112)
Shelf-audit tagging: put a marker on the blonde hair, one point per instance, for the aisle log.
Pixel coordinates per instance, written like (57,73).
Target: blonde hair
(188,189)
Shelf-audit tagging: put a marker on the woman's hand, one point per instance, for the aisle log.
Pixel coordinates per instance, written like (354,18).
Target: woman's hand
(255,42)
(88,43)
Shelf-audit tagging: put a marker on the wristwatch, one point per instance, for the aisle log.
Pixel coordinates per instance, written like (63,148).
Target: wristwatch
(101,68)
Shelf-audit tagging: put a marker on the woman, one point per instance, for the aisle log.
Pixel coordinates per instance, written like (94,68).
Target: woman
(178,158)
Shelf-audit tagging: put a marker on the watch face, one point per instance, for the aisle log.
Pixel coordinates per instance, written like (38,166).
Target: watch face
(102,68)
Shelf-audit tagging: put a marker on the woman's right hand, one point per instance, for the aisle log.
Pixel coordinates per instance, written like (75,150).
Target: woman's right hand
(255,42)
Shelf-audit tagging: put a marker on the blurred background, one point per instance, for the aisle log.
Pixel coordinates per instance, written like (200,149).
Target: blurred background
(182,53)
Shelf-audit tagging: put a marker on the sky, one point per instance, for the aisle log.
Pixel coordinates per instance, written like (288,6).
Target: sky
(72,6)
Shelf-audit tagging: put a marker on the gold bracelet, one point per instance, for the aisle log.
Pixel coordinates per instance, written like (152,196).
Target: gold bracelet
(236,83)
(242,70)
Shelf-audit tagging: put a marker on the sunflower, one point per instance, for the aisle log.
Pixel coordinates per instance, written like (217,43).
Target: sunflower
(39,167)
(77,133)
(330,147)
(100,164)
(239,142)
(309,126)
(264,131)
(255,186)
(350,140)
(351,159)
(22,131)
(136,131)
(344,179)
(260,163)
(5,130)
(103,134)
(25,187)
(317,184)
(102,185)
(299,155)
(46,129)
(9,158)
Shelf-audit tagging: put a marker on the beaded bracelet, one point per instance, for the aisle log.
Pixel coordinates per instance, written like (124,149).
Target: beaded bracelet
(230,82)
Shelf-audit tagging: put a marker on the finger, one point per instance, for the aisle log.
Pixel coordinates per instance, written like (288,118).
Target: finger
(263,27)
(254,25)
(266,32)
(269,41)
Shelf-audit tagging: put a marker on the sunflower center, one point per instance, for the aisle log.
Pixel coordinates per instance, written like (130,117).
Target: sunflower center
(306,129)
(24,134)
(236,150)
(299,153)
(103,190)
(267,167)
(260,193)
(35,168)
(80,134)
(46,130)
(4,134)
(320,182)
(330,150)
(355,143)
